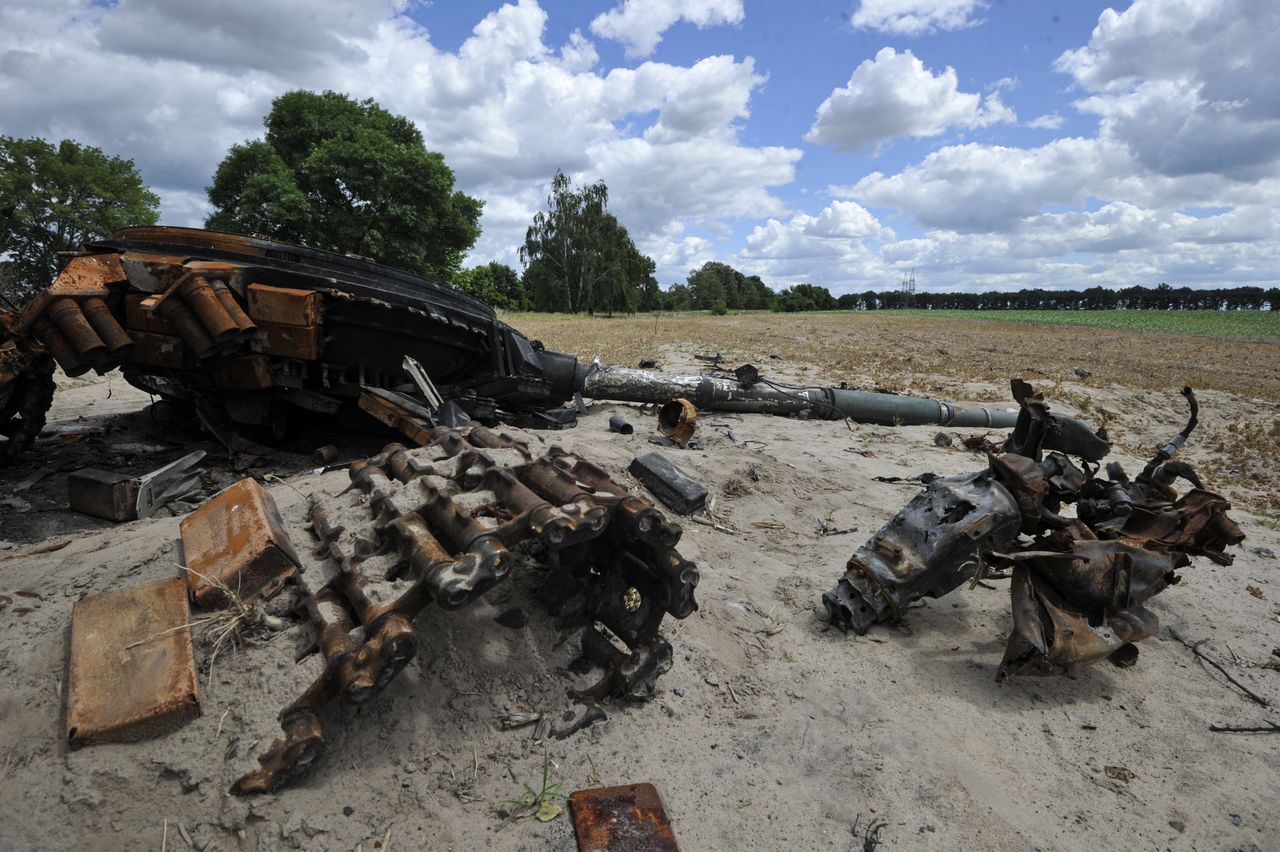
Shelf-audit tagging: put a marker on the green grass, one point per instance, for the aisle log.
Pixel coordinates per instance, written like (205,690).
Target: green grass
(1257,325)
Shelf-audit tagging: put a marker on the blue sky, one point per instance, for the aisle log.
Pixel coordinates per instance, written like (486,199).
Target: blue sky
(984,144)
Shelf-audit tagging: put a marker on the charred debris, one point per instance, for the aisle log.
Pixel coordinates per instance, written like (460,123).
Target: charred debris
(253,334)
(1078,583)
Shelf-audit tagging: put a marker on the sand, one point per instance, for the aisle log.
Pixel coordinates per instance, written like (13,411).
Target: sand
(771,731)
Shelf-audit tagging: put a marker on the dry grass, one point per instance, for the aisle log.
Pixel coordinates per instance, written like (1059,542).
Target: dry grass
(1247,456)
(908,352)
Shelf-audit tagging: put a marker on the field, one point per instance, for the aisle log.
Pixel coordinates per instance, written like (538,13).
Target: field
(1258,325)
(770,731)
(901,350)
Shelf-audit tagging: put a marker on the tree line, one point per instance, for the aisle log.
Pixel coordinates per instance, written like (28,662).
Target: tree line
(335,173)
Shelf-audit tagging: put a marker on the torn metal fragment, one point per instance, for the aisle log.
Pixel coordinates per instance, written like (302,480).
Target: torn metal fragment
(1079,584)
(926,550)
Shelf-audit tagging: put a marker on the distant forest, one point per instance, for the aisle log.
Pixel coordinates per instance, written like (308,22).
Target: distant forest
(1162,298)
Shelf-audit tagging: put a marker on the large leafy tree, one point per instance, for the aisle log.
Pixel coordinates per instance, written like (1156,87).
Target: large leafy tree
(579,257)
(718,283)
(348,176)
(55,199)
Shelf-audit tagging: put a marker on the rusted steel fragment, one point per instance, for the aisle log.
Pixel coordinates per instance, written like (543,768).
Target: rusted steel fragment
(443,524)
(132,674)
(677,420)
(629,818)
(237,540)
(1080,584)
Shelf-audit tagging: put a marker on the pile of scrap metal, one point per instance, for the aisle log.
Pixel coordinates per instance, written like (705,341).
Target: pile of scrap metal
(260,333)
(1079,584)
(442,524)
(445,522)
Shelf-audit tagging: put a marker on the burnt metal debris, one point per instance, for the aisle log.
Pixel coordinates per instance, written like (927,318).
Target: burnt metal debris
(746,390)
(445,522)
(259,333)
(264,334)
(118,496)
(26,386)
(1078,584)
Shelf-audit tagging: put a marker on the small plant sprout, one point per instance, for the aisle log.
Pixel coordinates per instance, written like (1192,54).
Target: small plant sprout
(546,803)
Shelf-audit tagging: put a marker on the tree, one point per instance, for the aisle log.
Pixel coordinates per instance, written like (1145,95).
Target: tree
(805,297)
(494,283)
(579,257)
(55,199)
(714,283)
(347,176)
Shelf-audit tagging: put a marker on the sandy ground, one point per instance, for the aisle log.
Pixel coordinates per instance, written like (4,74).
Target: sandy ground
(770,731)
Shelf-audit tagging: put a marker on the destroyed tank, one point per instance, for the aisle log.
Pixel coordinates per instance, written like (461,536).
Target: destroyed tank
(259,333)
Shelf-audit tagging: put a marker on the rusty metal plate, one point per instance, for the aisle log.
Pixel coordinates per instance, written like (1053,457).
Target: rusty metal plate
(284,305)
(288,341)
(132,674)
(158,350)
(237,540)
(88,275)
(621,819)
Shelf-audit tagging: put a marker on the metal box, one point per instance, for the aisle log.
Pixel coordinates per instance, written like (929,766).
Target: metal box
(158,350)
(284,305)
(249,372)
(236,542)
(103,494)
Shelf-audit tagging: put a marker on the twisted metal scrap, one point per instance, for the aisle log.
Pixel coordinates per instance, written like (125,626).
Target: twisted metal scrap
(1079,584)
(445,521)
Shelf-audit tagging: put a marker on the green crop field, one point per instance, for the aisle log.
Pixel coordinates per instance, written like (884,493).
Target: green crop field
(1256,325)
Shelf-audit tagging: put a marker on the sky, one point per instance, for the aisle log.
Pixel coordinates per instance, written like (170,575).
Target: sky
(984,144)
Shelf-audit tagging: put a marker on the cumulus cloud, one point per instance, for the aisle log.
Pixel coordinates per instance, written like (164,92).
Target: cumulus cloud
(894,95)
(639,24)
(1189,86)
(837,248)
(916,17)
(506,108)
(1113,246)
(1048,121)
